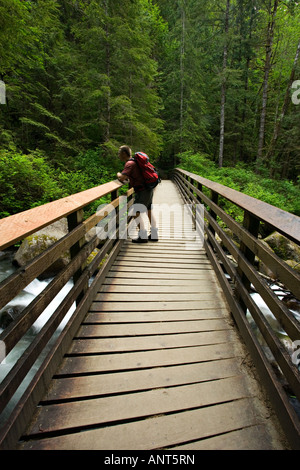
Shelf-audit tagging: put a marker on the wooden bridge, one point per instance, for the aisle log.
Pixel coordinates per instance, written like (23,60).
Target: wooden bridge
(158,352)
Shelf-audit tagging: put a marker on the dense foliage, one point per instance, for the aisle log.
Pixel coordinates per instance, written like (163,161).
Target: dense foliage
(285,195)
(169,77)
(30,180)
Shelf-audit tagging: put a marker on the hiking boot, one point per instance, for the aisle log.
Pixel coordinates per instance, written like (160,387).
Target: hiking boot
(153,237)
(142,238)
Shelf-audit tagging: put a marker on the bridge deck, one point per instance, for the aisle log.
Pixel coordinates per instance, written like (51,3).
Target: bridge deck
(157,362)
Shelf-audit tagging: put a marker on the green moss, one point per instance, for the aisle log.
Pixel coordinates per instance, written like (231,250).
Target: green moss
(40,240)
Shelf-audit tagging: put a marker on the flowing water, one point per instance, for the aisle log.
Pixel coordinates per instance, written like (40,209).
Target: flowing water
(21,301)
(273,322)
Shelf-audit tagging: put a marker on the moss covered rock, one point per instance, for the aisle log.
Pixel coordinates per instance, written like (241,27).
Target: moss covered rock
(37,243)
(283,247)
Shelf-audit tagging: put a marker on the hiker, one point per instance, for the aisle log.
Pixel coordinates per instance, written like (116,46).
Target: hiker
(133,172)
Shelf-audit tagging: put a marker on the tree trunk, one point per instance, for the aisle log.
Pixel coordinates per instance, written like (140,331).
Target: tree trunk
(223,88)
(182,76)
(108,102)
(246,87)
(285,106)
(267,68)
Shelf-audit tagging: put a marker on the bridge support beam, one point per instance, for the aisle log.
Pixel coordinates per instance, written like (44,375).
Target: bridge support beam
(75,219)
(251,224)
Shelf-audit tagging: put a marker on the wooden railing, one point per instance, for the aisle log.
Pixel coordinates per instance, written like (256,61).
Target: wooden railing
(85,277)
(237,276)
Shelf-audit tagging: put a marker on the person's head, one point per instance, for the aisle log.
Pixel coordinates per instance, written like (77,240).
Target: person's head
(124,153)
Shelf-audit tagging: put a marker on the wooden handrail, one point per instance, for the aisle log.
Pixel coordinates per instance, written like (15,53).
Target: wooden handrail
(18,226)
(284,222)
(242,274)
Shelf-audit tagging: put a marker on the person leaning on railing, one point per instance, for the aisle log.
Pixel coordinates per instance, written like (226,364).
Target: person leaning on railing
(143,196)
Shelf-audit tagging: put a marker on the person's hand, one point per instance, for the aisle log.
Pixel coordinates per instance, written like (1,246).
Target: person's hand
(122,178)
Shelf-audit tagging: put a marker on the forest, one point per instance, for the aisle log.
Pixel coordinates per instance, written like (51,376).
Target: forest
(210,86)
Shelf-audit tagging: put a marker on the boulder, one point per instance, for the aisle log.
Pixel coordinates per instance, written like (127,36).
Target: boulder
(283,247)
(288,251)
(35,244)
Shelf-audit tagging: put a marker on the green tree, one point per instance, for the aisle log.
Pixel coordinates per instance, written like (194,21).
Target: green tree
(118,76)
(183,80)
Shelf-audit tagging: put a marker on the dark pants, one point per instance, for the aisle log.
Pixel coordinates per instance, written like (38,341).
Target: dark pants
(144,198)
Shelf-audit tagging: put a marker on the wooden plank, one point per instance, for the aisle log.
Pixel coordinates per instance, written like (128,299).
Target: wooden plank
(153,282)
(178,243)
(160,249)
(159,264)
(163,269)
(132,381)
(77,365)
(141,316)
(93,412)
(159,260)
(181,243)
(105,345)
(154,274)
(162,255)
(149,306)
(158,297)
(168,258)
(168,236)
(189,288)
(160,431)
(152,328)
(254,437)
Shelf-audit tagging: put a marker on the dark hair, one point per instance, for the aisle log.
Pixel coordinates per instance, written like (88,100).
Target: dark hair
(126,149)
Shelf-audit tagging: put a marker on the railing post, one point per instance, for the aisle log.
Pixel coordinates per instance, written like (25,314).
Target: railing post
(75,219)
(114,195)
(214,198)
(199,186)
(186,179)
(251,224)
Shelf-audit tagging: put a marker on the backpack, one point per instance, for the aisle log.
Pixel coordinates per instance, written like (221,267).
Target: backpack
(148,171)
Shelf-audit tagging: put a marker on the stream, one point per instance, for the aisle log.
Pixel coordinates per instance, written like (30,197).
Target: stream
(20,302)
